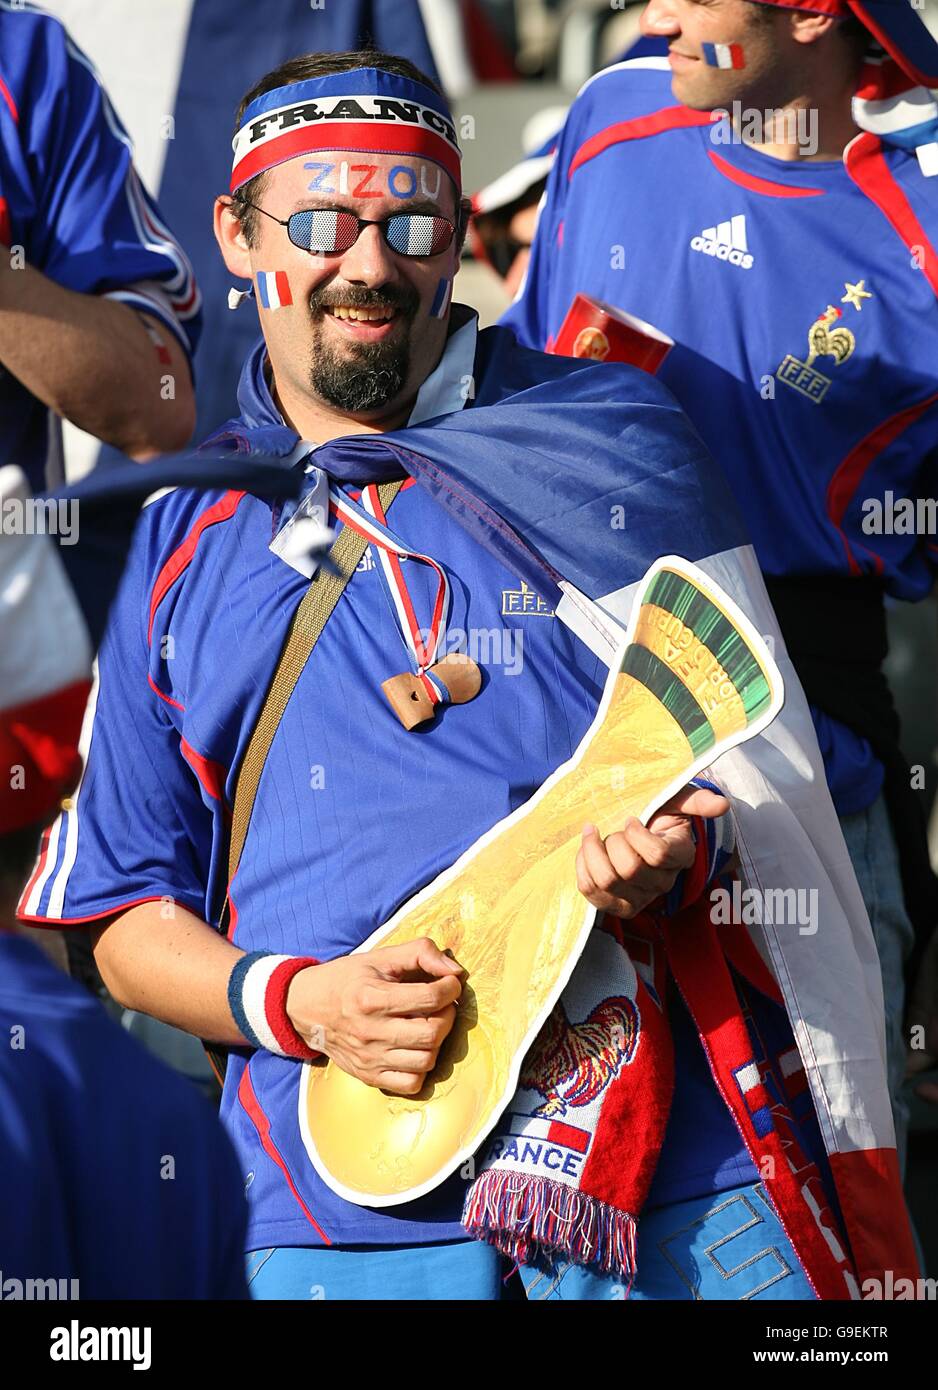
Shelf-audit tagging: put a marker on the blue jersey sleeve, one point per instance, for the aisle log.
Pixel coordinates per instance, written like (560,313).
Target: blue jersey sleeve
(75,201)
(137,828)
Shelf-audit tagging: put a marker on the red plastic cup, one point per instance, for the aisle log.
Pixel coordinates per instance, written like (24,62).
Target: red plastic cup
(607,334)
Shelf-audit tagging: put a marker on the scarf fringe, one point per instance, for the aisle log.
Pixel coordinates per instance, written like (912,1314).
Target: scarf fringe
(537,1216)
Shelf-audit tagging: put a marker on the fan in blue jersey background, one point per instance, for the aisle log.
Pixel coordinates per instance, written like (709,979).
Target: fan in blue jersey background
(797,277)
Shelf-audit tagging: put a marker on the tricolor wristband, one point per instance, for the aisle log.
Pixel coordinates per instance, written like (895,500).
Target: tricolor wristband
(257,997)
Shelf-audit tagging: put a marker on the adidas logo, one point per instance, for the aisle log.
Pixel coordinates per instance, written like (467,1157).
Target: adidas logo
(726,241)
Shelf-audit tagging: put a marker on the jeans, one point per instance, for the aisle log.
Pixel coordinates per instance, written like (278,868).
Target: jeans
(872,850)
(729,1245)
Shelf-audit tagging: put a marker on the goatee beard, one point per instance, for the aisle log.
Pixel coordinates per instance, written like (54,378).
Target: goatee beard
(364,376)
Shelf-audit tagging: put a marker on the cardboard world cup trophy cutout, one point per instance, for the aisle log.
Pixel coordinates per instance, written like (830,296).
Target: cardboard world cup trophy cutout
(694,679)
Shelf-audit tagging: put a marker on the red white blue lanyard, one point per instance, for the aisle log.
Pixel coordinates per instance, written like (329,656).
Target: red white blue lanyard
(369,521)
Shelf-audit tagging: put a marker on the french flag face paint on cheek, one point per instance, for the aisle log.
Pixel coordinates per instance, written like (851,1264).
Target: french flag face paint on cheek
(724,55)
(441,299)
(273,289)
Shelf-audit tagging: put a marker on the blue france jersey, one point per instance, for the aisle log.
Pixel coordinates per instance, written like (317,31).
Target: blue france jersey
(353,815)
(71,199)
(116,1172)
(801,298)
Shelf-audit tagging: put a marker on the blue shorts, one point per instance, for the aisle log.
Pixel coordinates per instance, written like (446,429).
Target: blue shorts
(728,1245)
(462,1269)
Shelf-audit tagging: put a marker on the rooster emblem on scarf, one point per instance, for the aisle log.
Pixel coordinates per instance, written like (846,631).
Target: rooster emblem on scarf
(571,1064)
(826,341)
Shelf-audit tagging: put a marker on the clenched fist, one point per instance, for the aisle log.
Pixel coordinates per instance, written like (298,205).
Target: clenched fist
(382,1016)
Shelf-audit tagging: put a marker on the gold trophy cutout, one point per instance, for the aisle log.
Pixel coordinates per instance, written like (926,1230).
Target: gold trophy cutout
(692,680)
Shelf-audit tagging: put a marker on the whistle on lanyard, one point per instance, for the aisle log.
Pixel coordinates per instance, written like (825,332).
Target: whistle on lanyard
(455,680)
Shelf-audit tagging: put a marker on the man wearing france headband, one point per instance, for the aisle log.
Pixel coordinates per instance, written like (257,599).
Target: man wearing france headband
(769,192)
(310,155)
(494,510)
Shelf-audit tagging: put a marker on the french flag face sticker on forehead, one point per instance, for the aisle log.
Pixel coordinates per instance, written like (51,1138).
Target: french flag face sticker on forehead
(367,110)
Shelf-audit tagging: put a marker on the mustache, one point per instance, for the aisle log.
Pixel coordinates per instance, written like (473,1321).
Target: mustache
(358,297)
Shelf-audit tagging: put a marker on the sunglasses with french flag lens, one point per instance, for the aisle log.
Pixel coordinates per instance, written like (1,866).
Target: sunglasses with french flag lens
(325,231)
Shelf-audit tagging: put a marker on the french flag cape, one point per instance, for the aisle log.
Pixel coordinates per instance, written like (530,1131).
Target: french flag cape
(579,475)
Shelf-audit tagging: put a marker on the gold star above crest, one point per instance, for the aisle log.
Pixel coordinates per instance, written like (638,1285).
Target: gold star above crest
(855,293)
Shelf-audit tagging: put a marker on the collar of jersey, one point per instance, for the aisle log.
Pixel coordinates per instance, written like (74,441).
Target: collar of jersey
(824,174)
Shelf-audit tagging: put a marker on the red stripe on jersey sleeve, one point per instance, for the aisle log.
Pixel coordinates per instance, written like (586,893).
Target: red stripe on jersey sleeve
(211,774)
(8,98)
(40,865)
(182,555)
(670,118)
(261,1123)
(849,473)
(866,165)
(168,698)
(66,922)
